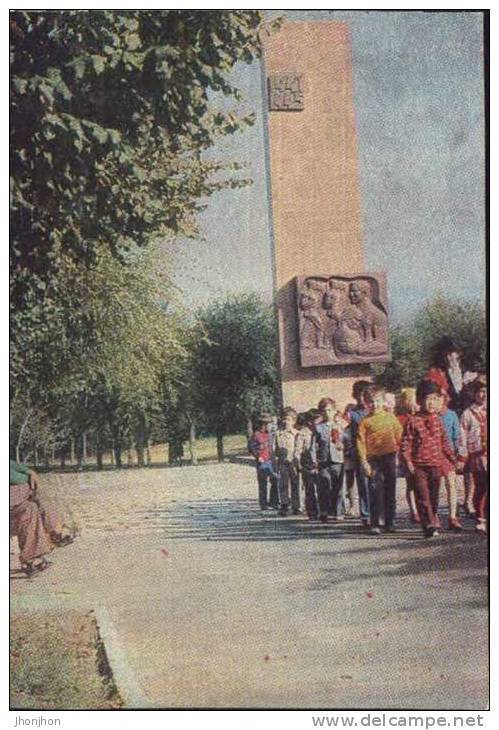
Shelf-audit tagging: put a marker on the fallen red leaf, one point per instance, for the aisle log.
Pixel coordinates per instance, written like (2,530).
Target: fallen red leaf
(165,552)
(266,657)
(369,594)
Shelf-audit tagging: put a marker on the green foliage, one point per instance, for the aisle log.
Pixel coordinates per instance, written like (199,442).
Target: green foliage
(413,345)
(110,112)
(235,361)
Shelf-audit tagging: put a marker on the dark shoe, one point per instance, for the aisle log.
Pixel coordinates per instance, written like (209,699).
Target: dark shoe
(297,512)
(32,568)
(431,532)
(313,518)
(375,531)
(366,524)
(62,540)
(263,507)
(324,518)
(283,512)
(390,528)
(455,525)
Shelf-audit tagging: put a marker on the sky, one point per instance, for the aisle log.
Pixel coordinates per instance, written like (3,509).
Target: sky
(419,106)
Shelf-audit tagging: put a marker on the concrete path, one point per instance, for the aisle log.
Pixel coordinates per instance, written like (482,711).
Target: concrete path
(216,604)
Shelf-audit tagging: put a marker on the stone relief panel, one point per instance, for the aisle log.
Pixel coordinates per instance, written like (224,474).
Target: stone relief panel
(286,92)
(342,319)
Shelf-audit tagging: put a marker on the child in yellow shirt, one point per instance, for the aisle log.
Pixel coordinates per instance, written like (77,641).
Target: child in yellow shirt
(378,442)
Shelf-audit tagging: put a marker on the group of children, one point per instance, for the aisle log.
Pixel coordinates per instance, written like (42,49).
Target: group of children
(371,443)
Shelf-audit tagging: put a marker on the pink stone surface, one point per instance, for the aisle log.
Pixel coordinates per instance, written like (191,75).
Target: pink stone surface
(315,195)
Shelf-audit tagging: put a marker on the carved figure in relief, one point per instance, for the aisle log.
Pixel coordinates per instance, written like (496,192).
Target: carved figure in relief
(313,332)
(334,302)
(363,328)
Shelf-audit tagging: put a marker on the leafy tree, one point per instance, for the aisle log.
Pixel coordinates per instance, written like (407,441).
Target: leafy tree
(110,112)
(235,363)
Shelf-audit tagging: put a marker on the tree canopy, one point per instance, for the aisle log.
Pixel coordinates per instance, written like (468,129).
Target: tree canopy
(235,361)
(111,114)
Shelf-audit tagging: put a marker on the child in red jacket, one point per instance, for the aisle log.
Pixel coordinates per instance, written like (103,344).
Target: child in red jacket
(424,446)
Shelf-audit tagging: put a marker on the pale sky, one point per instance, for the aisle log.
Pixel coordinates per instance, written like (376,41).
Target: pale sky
(418,94)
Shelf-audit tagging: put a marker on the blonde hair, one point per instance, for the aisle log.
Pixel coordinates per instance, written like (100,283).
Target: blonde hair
(407,398)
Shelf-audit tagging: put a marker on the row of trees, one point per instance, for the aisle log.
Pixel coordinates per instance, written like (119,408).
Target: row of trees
(218,374)
(112,113)
(222,375)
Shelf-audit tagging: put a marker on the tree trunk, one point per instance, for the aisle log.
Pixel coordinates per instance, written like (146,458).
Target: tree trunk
(20,437)
(63,456)
(148,452)
(192,444)
(72,452)
(117,455)
(36,456)
(99,450)
(249,428)
(171,453)
(84,453)
(139,448)
(129,457)
(220,446)
(112,453)
(46,457)
(140,440)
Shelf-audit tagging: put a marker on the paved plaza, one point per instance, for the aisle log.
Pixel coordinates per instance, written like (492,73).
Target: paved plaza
(211,603)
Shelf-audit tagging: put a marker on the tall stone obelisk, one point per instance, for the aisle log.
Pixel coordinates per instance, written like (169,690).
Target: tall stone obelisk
(312,155)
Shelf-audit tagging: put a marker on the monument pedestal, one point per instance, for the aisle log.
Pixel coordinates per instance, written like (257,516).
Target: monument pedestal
(314,187)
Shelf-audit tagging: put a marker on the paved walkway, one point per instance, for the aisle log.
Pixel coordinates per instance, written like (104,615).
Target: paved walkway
(219,605)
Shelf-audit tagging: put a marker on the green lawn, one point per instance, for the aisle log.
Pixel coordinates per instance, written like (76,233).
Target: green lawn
(206,448)
(57,662)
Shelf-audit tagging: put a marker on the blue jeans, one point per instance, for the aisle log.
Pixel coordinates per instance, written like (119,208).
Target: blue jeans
(363,488)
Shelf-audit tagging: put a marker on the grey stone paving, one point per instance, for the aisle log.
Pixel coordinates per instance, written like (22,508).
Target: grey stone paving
(219,605)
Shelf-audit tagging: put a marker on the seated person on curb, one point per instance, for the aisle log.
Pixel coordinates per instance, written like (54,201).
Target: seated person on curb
(287,467)
(261,446)
(377,444)
(59,534)
(26,521)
